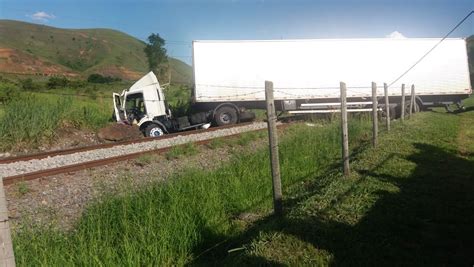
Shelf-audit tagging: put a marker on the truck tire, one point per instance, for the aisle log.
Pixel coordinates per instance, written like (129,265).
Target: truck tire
(226,116)
(153,130)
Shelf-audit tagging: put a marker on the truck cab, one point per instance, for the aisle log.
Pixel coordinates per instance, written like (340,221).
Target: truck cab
(144,105)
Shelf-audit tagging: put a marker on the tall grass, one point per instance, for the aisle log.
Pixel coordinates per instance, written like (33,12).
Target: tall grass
(29,119)
(172,223)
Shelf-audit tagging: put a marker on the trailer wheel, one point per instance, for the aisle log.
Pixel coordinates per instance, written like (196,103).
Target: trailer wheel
(225,116)
(153,130)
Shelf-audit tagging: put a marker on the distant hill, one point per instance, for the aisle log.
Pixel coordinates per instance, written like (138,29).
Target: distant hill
(34,49)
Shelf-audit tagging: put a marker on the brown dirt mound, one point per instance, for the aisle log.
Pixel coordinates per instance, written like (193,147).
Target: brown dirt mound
(119,132)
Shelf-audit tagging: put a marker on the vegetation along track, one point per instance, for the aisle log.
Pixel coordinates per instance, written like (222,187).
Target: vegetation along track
(55,162)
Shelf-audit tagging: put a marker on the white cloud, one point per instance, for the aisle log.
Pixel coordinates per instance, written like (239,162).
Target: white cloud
(396,35)
(42,16)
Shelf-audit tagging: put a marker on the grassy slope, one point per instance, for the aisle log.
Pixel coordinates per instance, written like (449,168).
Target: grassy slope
(409,202)
(82,50)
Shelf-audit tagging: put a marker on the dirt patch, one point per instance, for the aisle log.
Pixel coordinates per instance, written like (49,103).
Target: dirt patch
(119,132)
(119,71)
(67,137)
(16,62)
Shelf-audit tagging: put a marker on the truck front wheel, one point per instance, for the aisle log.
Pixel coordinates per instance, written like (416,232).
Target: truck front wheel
(225,116)
(153,130)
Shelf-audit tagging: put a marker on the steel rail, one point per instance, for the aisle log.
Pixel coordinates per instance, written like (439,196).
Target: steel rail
(101,162)
(43,155)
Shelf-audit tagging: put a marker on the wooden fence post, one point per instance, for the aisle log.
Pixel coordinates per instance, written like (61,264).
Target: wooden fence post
(273,140)
(345,133)
(387,108)
(412,100)
(7,258)
(375,126)
(402,116)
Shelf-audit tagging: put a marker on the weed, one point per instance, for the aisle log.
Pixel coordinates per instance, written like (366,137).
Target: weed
(23,188)
(188,149)
(216,143)
(143,160)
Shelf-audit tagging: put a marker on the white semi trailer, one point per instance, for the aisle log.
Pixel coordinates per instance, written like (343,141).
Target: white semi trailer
(230,75)
(229,78)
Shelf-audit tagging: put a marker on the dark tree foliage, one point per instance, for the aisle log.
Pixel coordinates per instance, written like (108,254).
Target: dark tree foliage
(8,90)
(57,82)
(29,85)
(156,54)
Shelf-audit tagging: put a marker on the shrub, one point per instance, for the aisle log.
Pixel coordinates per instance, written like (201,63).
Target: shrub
(8,91)
(57,82)
(29,84)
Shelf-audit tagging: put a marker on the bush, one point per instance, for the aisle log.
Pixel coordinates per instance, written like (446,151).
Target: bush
(29,84)
(8,91)
(57,82)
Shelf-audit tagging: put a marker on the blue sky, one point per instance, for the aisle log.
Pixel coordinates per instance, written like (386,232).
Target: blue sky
(180,21)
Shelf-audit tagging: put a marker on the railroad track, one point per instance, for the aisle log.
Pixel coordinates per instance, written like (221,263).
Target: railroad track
(29,167)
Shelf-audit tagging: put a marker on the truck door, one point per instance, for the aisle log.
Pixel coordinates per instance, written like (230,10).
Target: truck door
(118,110)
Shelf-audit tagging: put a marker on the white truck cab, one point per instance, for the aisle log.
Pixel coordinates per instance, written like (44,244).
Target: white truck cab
(144,104)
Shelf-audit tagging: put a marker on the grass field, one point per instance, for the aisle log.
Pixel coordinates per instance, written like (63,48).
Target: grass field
(33,118)
(408,202)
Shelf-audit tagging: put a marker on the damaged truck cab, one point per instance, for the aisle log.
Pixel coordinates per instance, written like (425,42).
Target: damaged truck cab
(144,105)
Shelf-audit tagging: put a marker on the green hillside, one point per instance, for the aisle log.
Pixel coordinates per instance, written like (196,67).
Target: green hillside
(27,48)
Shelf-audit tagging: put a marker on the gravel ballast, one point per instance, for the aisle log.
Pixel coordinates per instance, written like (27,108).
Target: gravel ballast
(23,167)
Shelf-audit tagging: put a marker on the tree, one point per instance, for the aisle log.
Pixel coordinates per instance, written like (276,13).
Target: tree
(156,54)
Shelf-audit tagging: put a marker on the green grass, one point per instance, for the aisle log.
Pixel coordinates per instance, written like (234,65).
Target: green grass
(32,119)
(408,202)
(23,188)
(171,223)
(216,143)
(180,151)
